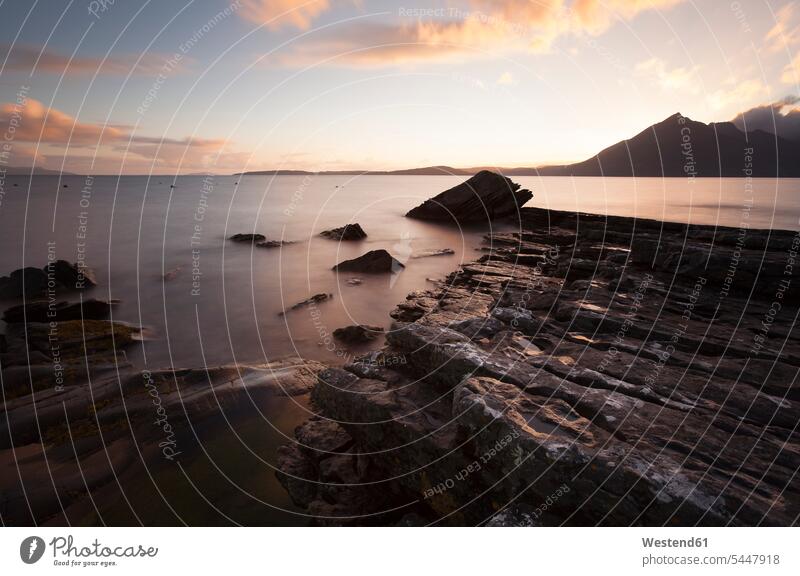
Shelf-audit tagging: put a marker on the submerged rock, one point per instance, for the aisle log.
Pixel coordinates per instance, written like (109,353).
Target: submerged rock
(347,232)
(433,252)
(373,262)
(482,198)
(315,299)
(357,334)
(248,238)
(259,240)
(273,243)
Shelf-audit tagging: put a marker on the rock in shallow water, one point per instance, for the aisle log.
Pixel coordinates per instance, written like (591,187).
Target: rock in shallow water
(347,233)
(259,240)
(58,275)
(248,238)
(373,262)
(433,252)
(313,300)
(481,199)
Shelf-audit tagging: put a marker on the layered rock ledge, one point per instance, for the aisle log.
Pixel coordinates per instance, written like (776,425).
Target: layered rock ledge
(586,370)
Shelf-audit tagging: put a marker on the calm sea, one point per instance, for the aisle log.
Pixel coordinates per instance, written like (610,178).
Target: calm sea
(163,253)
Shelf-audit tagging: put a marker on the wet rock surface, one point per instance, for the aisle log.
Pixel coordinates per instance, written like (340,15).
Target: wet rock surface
(584,371)
(481,199)
(96,431)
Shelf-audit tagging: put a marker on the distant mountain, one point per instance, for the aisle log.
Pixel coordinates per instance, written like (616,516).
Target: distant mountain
(26,171)
(675,147)
(426,171)
(679,146)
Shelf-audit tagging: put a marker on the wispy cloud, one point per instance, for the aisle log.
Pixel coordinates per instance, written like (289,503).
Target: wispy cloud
(791,73)
(283,13)
(740,95)
(786,31)
(679,78)
(506,79)
(477,28)
(23,58)
(52,130)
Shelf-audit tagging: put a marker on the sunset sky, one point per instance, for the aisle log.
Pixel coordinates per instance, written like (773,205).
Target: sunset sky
(209,85)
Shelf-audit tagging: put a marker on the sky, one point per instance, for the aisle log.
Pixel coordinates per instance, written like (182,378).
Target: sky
(221,86)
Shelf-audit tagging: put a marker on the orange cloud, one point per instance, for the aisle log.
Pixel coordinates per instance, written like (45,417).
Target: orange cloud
(741,95)
(37,125)
(278,13)
(784,34)
(791,73)
(596,16)
(483,27)
(60,136)
(30,59)
(680,78)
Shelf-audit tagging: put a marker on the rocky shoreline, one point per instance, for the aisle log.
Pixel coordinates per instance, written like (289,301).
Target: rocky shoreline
(583,370)
(586,370)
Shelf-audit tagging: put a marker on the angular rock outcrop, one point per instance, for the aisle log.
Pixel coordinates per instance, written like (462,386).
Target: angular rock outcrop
(481,199)
(576,375)
(347,233)
(373,262)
